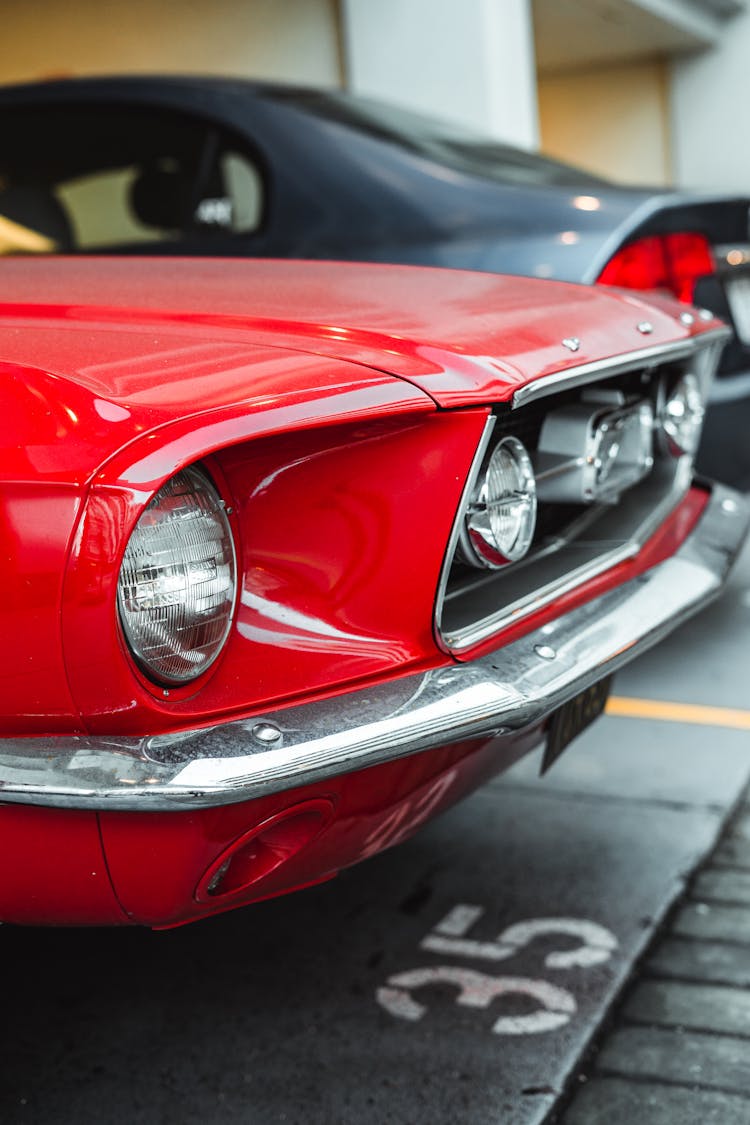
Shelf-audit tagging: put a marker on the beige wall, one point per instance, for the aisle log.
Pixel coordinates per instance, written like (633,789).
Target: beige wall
(295,40)
(613,121)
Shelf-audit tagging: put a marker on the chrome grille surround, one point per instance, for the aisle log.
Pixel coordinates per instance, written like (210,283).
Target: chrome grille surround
(580,536)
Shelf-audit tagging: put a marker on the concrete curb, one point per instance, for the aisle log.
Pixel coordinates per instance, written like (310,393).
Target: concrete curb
(678,1048)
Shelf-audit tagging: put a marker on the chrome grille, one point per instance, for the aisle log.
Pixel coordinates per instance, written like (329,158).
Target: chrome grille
(580,532)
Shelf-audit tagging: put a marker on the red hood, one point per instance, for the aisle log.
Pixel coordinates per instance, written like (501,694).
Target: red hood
(154,331)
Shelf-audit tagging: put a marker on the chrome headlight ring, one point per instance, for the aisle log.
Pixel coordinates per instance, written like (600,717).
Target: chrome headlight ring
(501,517)
(177,585)
(681,410)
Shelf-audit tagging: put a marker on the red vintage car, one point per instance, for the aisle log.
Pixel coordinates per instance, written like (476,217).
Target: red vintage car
(297,554)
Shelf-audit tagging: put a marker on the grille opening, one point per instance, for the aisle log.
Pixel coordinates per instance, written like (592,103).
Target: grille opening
(572,541)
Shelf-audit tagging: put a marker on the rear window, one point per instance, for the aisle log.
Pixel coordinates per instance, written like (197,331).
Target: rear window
(110,178)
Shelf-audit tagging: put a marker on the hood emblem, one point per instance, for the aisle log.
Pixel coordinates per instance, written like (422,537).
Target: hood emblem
(572,343)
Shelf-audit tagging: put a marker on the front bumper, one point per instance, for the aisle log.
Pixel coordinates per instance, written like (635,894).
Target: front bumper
(509,690)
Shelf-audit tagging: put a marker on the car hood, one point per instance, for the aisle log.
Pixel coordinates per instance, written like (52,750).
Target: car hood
(150,333)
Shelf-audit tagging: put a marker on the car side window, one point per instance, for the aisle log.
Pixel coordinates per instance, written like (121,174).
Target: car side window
(126,177)
(123,206)
(98,205)
(244,190)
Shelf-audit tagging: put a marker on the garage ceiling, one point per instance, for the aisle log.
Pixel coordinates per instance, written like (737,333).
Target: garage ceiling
(571,34)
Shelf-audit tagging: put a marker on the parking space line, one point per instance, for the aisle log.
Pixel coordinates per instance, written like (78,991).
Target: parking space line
(678,712)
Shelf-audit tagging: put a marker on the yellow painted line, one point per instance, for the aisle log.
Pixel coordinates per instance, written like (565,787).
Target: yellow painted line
(678,712)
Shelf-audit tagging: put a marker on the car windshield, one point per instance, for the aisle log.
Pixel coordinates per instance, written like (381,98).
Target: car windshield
(447,142)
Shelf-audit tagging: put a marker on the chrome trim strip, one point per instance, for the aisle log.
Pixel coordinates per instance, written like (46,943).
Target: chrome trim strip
(476,465)
(615,365)
(514,688)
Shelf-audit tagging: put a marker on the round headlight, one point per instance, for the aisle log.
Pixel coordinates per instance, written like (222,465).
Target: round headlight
(500,522)
(177,583)
(682,416)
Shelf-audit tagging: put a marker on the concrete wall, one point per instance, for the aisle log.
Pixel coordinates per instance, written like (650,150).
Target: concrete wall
(612,121)
(471,62)
(711,113)
(294,40)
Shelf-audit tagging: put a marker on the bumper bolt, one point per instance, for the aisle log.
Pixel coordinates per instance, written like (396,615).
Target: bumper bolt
(266,733)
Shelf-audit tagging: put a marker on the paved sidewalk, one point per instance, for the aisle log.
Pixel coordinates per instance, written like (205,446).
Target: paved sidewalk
(678,1049)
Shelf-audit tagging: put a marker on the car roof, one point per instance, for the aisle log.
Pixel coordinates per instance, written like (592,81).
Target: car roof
(443,141)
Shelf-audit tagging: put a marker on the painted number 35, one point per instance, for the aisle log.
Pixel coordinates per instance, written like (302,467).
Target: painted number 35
(554,1005)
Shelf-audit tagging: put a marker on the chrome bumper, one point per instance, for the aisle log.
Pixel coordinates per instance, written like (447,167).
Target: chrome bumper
(511,689)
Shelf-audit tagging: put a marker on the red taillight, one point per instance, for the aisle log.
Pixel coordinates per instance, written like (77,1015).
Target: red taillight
(674,262)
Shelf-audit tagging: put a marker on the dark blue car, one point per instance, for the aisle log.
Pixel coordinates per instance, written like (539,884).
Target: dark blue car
(226,167)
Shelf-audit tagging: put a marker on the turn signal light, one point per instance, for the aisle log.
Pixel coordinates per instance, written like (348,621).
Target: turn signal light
(674,262)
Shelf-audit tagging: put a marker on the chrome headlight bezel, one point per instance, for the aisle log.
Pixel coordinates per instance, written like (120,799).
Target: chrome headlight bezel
(176,610)
(681,411)
(500,521)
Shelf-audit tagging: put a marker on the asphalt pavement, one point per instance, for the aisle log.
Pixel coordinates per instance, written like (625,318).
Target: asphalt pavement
(465,976)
